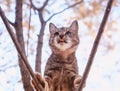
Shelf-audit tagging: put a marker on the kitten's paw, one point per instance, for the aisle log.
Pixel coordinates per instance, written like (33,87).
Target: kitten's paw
(77,81)
(41,80)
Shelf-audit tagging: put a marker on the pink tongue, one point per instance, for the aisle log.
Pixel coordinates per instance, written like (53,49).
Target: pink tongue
(61,41)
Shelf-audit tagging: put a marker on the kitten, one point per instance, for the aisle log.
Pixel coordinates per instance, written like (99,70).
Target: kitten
(61,71)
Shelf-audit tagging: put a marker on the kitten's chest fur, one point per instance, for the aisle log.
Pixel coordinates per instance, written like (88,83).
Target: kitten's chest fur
(61,72)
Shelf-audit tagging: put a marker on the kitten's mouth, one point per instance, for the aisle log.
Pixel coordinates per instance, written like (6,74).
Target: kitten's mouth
(61,41)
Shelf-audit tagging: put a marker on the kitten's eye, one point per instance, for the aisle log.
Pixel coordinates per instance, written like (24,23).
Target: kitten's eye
(68,33)
(56,33)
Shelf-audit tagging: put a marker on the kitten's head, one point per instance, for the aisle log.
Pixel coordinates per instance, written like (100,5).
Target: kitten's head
(64,39)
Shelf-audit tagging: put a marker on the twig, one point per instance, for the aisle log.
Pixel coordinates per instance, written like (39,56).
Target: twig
(40,37)
(32,5)
(64,10)
(95,45)
(13,24)
(21,53)
(41,8)
(44,5)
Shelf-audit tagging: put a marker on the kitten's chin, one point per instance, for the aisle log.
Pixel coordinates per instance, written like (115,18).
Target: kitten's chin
(62,46)
(64,50)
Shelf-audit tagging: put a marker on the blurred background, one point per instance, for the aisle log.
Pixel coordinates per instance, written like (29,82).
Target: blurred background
(105,71)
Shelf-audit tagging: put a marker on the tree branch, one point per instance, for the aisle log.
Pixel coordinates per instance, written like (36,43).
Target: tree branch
(32,5)
(13,24)
(41,8)
(95,45)
(41,34)
(44,5)
(21,53)
(64,10)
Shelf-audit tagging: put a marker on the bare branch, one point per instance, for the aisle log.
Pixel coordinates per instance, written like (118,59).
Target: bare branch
(95,45)
(18,47)
(39,9)
(13,24)
(33,6)
(44,5)
(40,37)
(64,10)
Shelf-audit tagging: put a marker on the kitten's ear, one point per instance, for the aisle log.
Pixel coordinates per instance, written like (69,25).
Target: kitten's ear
(74,26)
(52,27)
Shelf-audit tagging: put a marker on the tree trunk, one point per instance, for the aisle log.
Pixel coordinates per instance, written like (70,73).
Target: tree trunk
(19,33)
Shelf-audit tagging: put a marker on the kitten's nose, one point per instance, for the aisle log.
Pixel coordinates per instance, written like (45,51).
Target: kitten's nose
(61,36)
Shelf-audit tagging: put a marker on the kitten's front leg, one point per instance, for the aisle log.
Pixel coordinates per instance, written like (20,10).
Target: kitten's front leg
(77,81)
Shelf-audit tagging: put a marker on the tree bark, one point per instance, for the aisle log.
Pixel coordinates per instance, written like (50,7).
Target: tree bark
(19,33)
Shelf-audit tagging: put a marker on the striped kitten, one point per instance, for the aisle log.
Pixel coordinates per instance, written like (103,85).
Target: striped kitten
(61,71)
